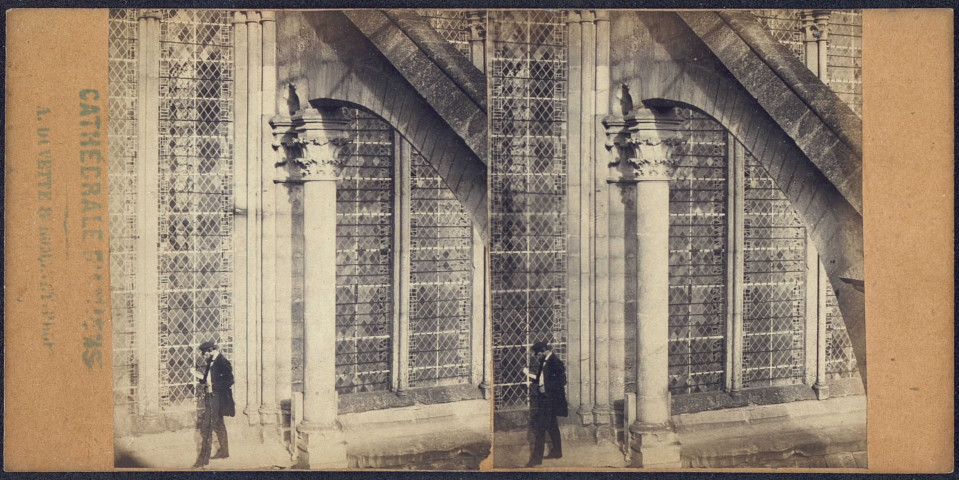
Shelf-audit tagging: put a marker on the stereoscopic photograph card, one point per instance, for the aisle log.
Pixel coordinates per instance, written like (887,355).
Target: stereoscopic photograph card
(479,240)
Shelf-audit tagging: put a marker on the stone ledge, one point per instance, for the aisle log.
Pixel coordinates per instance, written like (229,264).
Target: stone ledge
(367,401)
(706,401)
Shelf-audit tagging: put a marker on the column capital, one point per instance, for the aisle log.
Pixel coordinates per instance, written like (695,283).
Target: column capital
(239,18)
(642,144)
(815,24)
(154,13)
(476,20)
(267,16)
(312,140)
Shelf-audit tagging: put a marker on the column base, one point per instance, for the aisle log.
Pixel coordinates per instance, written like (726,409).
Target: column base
(822,391)
(603,419)
(269,414)
(252,416)
(654,446)
(321,448)
(484,387)
(585,413)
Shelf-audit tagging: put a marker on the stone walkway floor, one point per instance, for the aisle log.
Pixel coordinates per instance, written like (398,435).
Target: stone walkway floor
(813,434)
(575,455)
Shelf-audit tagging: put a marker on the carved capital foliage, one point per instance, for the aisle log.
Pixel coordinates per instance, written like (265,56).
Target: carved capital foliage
(153,13)
(815,24)
(311,142)
(477,24)
(643,143)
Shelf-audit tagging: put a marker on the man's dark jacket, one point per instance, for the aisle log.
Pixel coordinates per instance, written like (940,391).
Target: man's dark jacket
(220,373)
(554,382)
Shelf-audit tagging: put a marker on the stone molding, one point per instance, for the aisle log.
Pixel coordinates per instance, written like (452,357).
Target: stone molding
(642,143)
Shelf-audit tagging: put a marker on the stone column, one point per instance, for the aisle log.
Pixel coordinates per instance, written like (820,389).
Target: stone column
(269,404)
(482,328)
(240,212)
(821,386)
(821,17)
(735,261)
(595,232)
(643,141)
(477,24)
(815,24)
(148,160)
(311,144)
(253,245)
(578,254)
(401,257)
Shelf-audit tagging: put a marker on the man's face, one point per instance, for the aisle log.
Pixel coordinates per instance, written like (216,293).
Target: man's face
(208,355)
(540,355)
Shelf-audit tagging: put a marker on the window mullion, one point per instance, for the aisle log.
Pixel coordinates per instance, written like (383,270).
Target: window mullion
(735,261)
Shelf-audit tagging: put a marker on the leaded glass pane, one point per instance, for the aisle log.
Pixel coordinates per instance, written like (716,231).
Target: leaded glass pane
(195,194)
(364,258)
(697,261)
(840,361)
(774,286)
(844,51)
(528,78)
(441,281)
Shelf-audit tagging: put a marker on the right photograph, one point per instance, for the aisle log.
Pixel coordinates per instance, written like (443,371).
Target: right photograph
(676,239)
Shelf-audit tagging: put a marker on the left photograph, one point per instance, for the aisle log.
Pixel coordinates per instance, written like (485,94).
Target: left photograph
(298,232)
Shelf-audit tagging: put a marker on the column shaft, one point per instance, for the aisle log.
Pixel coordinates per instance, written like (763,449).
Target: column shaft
(240,211)
(652,295)
(821,386)
(147,216)
(580,389)
(253,244)
(319,340)
(599,282)
(402,242)
(617,348)
(812,313)
(735,261)
(269,403)
(482,344)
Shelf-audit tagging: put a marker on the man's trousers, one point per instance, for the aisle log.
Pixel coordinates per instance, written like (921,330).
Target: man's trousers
(212,421)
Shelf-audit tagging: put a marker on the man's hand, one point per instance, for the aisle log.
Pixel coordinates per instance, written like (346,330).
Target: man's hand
(196,374)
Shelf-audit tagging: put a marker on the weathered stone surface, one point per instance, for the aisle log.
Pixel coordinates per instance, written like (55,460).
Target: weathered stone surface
(448,81)
(329,61)
(667,60)
(758,61)
(363,402)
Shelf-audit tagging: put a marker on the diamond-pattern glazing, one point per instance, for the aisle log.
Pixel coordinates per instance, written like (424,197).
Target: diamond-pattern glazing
(196,193)
(840,360)
(364,263)
(452,25)
(697,261)
(441,281)
(844,61)
(122,75)
(528,79)
(784,25)
(775,284)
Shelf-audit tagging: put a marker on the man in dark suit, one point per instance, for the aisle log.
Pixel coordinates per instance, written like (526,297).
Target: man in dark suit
(547,402)
(216,384)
